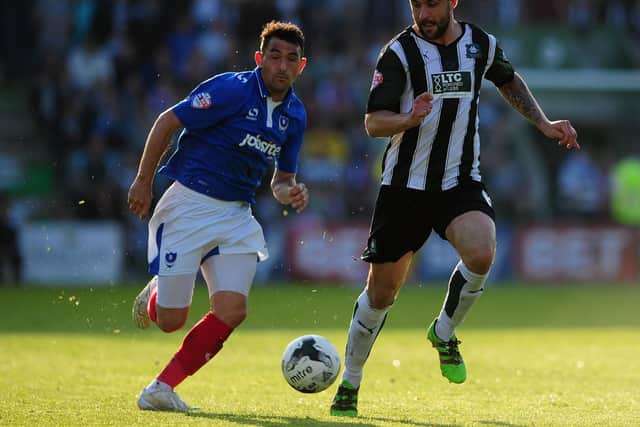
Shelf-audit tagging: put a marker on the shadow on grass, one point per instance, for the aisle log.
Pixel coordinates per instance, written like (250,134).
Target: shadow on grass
(500,423)
(405,422)
(280,421)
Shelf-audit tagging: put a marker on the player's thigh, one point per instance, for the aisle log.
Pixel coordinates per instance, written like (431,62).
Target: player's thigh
(229,279)
(179,232)
(175,294)
(230,272)
(386,279)
(464,216)
(473,235)
(175,291)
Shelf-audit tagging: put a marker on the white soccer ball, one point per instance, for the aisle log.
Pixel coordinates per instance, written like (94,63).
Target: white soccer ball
(310,363)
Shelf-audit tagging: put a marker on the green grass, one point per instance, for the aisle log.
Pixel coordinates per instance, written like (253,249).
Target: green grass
(554,356)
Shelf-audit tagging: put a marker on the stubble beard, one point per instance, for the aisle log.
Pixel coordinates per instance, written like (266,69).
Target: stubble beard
(440,30)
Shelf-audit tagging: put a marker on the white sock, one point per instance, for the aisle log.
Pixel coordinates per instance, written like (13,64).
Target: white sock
(363,331)
(444,327)
(465,287)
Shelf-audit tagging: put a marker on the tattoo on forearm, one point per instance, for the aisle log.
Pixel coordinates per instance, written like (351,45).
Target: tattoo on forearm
(521,99)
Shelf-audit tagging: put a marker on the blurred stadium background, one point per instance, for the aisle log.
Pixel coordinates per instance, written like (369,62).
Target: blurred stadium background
(81,82)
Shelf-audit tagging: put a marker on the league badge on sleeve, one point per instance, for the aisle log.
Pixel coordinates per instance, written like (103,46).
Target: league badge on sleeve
(201,101)
(377,79)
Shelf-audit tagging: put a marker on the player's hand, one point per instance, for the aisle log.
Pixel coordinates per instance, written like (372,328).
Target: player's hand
(299,196)
(421,107)
(562,131)
(139,198)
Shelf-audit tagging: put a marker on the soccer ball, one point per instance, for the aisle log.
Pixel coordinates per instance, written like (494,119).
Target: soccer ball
(310,363)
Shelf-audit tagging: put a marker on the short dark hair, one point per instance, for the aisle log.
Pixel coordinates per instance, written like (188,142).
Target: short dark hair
(284,31)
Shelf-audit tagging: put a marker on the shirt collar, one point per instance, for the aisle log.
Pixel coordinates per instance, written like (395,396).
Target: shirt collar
(264,92)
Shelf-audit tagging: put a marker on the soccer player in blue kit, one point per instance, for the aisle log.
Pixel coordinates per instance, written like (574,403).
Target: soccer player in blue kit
(235,125)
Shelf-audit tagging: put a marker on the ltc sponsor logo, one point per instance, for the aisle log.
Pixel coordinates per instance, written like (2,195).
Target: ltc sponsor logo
(452,84)
(256,142)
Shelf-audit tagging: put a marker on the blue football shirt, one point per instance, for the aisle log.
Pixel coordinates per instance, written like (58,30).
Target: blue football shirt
(232,131)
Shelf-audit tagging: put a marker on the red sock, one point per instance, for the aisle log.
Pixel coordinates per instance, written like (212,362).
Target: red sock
(200,344)
(151,305)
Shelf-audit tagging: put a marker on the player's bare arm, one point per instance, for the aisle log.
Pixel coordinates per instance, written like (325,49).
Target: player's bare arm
(386,123)
(518,95)
(139,198)
(287,191)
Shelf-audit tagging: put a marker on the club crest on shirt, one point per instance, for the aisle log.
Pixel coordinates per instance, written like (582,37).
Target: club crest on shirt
(377,79)
(473,51)
(201,101)
(283,123)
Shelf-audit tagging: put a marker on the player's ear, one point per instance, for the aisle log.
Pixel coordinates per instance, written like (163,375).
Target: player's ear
(303,63)
(258,58)
(454,4)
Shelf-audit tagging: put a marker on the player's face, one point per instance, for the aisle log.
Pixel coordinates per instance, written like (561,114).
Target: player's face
(281,63)
(432,17)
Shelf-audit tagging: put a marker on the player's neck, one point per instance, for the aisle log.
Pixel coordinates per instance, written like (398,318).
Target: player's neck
(278,96)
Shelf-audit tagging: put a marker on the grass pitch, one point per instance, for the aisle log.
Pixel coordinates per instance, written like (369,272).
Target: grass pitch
(561,356)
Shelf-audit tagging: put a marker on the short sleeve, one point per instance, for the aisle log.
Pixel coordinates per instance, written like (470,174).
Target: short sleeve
(388,83)
(501,71)
(210,102)
(288,159)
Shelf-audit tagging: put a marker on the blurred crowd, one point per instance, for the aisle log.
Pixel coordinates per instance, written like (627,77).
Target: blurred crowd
(99,72)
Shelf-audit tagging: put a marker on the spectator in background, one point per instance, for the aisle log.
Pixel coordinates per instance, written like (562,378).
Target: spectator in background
(625,194)
(10,257)
(89,64)
(582,186)
(581,15)
(509,12)
(130,53)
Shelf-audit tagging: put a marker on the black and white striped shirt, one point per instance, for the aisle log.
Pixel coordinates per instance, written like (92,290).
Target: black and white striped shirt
(444,150)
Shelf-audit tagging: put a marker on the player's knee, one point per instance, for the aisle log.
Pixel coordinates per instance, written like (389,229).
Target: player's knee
(169,327)
(480,260)
(232,317)
(170,324)
(382,298)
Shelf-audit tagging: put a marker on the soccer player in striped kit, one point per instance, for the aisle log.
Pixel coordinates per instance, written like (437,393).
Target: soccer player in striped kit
(235,125)
(424,97)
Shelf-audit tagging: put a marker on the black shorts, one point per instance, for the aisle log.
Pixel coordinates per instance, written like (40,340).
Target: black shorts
(403,218)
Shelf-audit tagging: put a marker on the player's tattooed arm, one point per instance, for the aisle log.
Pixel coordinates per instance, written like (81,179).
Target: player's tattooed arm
(518,95)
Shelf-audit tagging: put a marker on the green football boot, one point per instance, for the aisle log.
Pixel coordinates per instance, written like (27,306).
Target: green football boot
(451,363)
(345,404)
